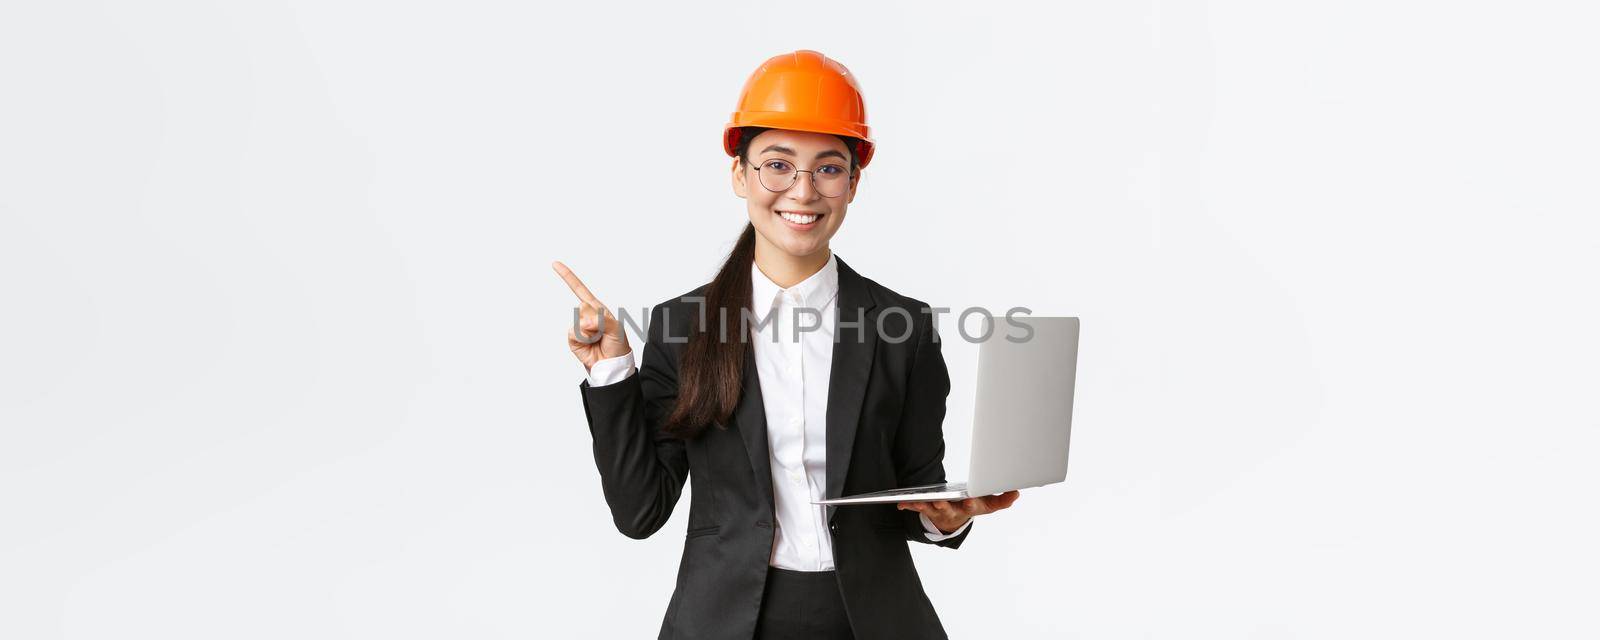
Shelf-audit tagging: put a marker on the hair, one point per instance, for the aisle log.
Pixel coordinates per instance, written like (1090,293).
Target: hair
(711,371)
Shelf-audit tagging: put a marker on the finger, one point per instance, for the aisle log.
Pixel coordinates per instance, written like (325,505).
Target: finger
(587,318)
(575,284)
(586,330)
(609,323)
(924,508)
(596,318)
(588,336)
(1002,501)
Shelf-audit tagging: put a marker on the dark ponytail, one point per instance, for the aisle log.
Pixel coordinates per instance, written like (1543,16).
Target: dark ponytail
(711,370)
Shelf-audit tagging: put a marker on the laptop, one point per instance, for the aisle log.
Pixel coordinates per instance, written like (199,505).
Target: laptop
(1022,418)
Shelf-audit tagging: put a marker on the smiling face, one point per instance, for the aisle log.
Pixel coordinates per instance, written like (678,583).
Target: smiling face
(800,220)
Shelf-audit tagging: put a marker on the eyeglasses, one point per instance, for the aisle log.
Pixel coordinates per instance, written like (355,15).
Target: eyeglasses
(830,180)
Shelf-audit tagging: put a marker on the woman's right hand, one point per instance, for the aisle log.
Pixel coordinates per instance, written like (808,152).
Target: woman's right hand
(592,317)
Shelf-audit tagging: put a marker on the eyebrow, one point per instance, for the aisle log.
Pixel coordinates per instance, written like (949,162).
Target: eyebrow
(825,154)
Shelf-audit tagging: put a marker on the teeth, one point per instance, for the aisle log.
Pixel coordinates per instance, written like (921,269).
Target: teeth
(797,218)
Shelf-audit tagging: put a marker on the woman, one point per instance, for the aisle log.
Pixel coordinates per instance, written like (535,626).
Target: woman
(788,378)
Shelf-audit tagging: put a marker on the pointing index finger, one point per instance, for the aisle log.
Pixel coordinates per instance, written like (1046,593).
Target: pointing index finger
(575,284)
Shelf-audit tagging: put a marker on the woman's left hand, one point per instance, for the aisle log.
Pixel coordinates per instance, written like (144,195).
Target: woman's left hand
(949,516)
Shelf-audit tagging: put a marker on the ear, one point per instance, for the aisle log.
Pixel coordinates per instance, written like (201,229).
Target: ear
(854,180)
(740,188)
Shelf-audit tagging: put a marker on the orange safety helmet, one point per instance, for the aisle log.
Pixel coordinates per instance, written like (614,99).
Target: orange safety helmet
(803,91)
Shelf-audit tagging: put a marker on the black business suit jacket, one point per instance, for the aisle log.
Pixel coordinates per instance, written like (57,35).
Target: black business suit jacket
(885,415)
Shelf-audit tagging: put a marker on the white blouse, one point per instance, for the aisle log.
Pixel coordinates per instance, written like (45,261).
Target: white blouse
(793,368)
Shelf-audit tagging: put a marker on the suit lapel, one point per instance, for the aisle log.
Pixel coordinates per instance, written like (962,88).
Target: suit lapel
(855,339)
(751,417)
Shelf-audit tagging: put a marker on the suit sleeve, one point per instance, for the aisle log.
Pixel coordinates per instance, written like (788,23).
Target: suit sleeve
(919,440)
(642,470)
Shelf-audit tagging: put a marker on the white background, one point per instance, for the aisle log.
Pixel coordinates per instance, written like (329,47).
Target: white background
(282,356)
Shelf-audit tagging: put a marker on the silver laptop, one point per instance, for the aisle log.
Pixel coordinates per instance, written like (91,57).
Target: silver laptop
(1022,418)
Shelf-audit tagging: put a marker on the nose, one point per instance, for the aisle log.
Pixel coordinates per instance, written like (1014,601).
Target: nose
(803,189)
